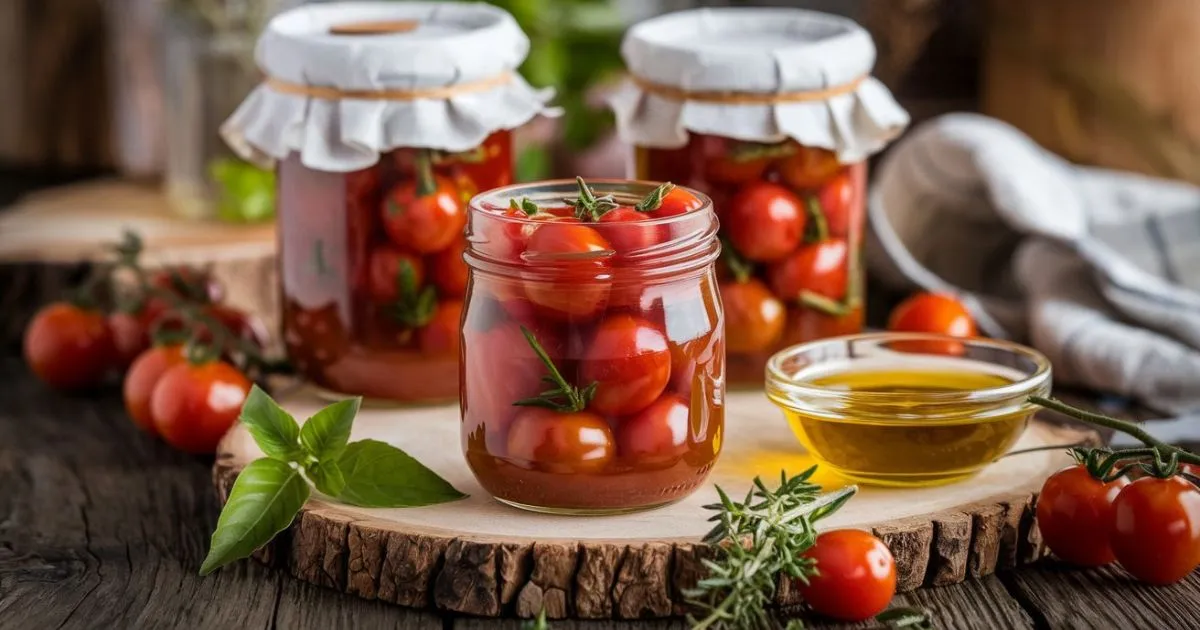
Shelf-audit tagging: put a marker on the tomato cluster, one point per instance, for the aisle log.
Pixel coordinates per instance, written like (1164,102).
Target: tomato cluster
(587,385)
(1151,526)
(373,290)
(791,221)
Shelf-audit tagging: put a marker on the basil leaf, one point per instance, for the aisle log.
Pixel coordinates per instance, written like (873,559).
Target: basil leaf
(381,475)
(273,429)
(265,498)
(325,434)
(327,477)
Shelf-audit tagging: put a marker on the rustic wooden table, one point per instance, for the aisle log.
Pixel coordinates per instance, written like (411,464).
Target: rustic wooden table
(103,527)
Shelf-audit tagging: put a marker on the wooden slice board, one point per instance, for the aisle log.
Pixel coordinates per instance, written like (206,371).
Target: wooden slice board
(480,557)
(48,240)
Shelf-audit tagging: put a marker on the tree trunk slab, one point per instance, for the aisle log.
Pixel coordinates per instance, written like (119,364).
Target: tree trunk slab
(479,557)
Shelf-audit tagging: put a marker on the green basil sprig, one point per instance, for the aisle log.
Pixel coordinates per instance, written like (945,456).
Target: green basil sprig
(270,491)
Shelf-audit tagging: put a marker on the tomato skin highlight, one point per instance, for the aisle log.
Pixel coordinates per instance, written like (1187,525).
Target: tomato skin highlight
(932,313)
(68,347)
(629,358)
(1155,529)
(765,222)
(1074,510)
(754,317)
(142,377)
(629,238)
(820,268)
(837,199)
(560,442)
(194,405)
(424,223)
(657,434)
(856,575)
(676,202)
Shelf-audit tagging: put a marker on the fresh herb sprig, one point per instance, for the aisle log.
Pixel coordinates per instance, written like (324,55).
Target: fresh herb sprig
(758,539)
(563,396)
(589,207)
(269,492)
(654,198)
(414,306)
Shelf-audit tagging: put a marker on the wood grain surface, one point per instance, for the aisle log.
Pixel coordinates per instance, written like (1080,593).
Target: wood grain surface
(104,527)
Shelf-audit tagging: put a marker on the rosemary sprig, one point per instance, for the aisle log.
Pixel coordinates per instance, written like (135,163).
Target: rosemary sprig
(760,538)
(564,396)
(589,207)
(654,198)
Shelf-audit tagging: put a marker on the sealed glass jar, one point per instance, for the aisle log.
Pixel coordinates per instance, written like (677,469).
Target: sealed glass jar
(772,112)
(383,120)
(593,360)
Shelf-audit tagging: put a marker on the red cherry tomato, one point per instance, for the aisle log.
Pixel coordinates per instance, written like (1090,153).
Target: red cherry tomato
(363,189)
(678,201)
(765,222)
(932,313)
(424,223)
(141,379)
(838,199)
(560,442)
(754,317)
(385,265)
(856,576)
(130,336)
(449,270)
(189,283)
(194,405)
(629,358)
(808,168)
(244,326)
(580,256)
(1074,510)
(820,268)
(69,347)
(657,434)
(1155,531)
(627,239)
(440,336)
(726,171)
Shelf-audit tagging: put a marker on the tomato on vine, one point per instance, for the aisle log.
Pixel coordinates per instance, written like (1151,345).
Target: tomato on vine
(765,222)
(1074,510)
(1155,529)
(141,379)
(425,215)
(856,575)
(69,347)
(194,404)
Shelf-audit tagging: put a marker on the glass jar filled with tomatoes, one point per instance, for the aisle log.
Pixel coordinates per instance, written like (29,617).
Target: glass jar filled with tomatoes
(772,112)
(593,352)
(377,158)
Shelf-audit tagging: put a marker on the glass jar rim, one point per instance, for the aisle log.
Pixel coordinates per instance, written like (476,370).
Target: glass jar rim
(780,383)
(601,186)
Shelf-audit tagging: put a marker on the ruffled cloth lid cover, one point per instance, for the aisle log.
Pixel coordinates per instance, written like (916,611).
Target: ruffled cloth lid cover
(452,44)
(756,51)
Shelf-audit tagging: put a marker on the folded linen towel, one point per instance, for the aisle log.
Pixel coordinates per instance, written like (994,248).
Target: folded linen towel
(1098,269)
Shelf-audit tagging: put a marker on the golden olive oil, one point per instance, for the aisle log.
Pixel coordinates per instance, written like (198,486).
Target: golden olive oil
(910,425)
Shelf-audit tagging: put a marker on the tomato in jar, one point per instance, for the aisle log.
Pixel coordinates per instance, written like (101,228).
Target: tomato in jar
(593,373)
(372,270)
(792,219)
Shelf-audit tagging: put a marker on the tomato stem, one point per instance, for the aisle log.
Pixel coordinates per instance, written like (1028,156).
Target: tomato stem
(589,207)
(750,151)
(577,399)
(737,264)
(426,182)
(415,306)
(817,228)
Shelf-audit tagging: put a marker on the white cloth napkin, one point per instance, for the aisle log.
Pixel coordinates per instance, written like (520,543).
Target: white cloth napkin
(1098,269)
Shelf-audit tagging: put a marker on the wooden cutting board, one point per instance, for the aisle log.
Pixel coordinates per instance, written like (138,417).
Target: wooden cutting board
(480,557)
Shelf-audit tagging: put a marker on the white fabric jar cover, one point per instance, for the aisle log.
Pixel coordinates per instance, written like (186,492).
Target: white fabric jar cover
(757,75)
(446,84)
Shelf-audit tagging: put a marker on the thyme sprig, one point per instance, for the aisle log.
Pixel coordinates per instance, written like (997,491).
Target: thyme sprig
(760,538)
(589,207)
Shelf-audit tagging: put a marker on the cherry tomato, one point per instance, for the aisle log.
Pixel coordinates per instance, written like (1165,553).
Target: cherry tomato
(856,575)
(628,239)
(440,336)
(932,313)
(141,379)
(809,168)
(838,203)
(820,268)
(560,442)
(1074,510)
(424,223)
(69,347)
(629,358)
(580,256)
(384,275)
(363,189)
(726,171)
(1155,531)
(130,336)
(449,270)
(189,283)
(657,434)
(754,317)
(242,325)
(678,201)
(194,405)
(765,222)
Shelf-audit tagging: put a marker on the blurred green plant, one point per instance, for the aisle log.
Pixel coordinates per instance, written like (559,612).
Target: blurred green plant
(245,193)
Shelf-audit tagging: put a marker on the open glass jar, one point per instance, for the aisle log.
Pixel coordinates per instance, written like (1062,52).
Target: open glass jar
(377,158)
(772,112)
(592,352)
